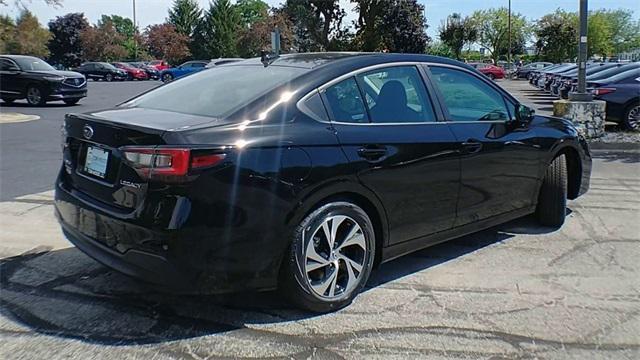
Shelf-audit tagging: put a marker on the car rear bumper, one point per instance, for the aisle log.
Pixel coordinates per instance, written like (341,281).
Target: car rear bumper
(187,259)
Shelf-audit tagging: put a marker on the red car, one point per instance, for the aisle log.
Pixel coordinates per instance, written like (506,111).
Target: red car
(132,72)
(492,71)
(160,64)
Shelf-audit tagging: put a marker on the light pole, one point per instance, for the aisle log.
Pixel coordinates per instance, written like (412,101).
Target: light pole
(581,94)
(509,53)
(135,39)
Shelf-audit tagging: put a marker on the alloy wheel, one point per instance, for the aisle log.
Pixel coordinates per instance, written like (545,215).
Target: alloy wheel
(33,96)
(633,118)
(335,257)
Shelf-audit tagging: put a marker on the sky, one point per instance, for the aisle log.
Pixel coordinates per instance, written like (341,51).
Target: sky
(155,11)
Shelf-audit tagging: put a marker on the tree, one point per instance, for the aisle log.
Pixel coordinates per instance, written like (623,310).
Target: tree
(7,33)
(55,3)
(164,42)
(600,34)
(217,34)
(317,23)
(30,38)
(557,36)
(492,27)
(404,27)
(102,42)
(65,45)
(439,48)
(456,32)
(185,15)
(252,11)
(130,37)
(258,37)
(368,35)
(625,33)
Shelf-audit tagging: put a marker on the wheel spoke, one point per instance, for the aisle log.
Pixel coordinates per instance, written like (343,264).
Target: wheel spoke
(322,287)
(351,276)
(335,224)
(327,234)
(351,264)
(355,237)
(314,260)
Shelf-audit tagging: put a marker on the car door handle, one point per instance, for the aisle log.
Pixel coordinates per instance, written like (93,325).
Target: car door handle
(472,146)
(372,153)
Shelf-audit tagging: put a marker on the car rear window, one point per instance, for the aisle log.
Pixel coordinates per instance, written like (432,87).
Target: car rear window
(216,92)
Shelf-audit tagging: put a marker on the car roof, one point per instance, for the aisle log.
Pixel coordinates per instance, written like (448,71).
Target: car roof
(315,60)
(20,57)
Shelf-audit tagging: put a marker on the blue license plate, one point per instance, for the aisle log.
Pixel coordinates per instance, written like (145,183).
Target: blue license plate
(96,161)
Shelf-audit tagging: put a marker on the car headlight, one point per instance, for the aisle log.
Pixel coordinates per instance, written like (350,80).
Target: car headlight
(54,78)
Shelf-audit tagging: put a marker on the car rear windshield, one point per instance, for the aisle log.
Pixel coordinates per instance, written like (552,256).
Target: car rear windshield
(216,92)
(33,64)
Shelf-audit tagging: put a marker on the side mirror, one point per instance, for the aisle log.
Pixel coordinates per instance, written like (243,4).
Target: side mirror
(524,114)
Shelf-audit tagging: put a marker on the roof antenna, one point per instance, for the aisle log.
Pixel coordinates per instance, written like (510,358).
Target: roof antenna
(266,58)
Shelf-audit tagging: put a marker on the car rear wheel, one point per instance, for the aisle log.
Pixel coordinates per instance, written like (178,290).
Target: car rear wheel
(552,199)
(108,77)
(167,78)
(330,257)
(491,76)
(632,117)
(35,96)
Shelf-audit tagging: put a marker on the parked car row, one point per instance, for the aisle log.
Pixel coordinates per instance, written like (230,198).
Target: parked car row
(616,83)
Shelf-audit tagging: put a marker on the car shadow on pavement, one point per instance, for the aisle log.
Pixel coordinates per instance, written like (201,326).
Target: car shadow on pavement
(64,293)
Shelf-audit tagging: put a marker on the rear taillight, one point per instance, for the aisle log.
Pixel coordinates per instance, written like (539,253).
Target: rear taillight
(171,164)
(603,91)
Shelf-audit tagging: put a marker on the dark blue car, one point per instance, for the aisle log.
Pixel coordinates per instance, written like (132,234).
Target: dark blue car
(622,94)
(187,68)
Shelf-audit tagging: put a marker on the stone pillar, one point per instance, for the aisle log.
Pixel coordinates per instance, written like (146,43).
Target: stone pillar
(587,116)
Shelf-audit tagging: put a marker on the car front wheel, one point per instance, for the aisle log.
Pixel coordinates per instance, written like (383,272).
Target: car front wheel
(108,77)
(552,199)
(330,257)
(167,78)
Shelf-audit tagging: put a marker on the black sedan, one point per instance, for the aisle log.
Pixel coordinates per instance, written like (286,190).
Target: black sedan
(622,94)
(31,78)
(305,171)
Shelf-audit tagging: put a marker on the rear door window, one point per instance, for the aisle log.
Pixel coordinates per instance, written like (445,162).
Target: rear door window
(396,95)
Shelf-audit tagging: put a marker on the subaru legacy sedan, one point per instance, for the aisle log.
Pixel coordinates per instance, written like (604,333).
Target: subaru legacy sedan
(301,173)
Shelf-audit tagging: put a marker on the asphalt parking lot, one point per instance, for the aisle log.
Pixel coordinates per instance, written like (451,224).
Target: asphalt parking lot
(514,291)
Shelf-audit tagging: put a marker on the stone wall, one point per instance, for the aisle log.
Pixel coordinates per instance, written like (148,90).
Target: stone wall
(587,116)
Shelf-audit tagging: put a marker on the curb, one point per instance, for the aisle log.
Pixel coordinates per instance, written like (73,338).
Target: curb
(622,146)
(10,118)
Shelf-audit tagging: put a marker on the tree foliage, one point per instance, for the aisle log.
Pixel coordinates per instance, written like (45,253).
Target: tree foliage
(317,23)
(556,35)
(456,32)
(102,42)
(258,37)
(252,11)
(368,35)
(164,42)
(29,37)
(65,45)
(185,15)
(404,27)
(7,31)
(217,35)
(492,26)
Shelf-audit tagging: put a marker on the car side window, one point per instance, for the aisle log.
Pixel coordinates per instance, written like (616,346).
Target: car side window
(6,65)
(468,98)
(345,102)
(197,65)
(395,95)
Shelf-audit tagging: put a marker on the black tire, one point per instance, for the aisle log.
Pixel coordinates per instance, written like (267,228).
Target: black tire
(166,78)
(32,98)
(8,101)
(295,281)
(552,199)
(491,76)
(108,77)
(631,119)
(71,101)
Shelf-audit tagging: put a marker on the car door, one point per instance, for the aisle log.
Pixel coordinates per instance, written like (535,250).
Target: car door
(397,146)
(10,80)
(501,158)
